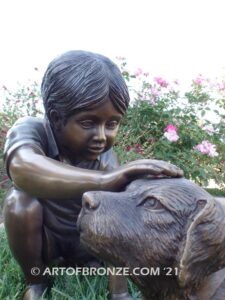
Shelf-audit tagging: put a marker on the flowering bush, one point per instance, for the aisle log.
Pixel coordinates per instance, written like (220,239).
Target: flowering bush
(187,129)
(25,101)
(161,123)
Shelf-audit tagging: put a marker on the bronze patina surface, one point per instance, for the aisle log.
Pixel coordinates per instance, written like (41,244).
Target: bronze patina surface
(53,161)
(170,226)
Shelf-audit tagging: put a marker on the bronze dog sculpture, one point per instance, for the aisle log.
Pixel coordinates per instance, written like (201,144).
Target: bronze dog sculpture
(171,226)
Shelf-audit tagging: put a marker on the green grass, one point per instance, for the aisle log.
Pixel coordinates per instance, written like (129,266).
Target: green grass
(11,282)
(65,287)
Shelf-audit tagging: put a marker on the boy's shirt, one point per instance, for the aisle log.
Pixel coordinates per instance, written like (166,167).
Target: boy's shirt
(37,133)
(59,215)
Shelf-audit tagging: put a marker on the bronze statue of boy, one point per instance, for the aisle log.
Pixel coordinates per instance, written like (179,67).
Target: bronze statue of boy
(54,160)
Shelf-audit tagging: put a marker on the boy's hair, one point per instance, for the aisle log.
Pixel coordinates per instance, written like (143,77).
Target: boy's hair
(79,80)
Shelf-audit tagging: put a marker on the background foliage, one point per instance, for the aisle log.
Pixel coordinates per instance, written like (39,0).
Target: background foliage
(186,128)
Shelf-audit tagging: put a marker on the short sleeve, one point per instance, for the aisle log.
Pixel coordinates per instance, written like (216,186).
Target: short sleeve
(26,131)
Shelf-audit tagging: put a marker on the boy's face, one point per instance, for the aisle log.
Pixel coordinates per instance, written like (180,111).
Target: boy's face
(89,133)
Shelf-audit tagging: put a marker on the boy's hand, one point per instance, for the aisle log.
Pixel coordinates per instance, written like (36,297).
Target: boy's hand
(118,178)
(153,167)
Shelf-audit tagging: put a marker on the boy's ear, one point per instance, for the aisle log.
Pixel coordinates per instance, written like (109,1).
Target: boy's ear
(55,120)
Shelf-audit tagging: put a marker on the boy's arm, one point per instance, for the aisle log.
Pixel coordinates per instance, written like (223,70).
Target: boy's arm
(43,177)
(46,178)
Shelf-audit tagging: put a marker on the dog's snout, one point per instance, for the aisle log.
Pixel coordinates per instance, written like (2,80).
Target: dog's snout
(90,202)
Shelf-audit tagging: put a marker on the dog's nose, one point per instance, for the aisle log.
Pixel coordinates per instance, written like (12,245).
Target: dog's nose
(90,201)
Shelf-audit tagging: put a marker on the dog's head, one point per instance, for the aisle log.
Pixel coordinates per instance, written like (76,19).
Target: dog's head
(156,223)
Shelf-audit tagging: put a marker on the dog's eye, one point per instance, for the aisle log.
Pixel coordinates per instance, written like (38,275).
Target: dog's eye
(151,203)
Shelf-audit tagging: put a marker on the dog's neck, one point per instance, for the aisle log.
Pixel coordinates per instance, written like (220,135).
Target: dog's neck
(211,285)
(206,290)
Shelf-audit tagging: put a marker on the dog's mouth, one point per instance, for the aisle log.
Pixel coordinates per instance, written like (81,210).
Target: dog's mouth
(84,226)
(79,221)
(90,241)
(85,242)
(92,237)
(85,237)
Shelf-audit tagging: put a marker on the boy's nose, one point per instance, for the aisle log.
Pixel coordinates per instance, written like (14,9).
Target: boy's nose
(100,134)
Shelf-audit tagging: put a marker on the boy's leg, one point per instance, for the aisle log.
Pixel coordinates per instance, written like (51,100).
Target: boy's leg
(23,220)
(118,288)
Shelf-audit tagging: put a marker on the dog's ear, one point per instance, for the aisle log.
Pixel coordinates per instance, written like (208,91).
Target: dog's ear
(204,249)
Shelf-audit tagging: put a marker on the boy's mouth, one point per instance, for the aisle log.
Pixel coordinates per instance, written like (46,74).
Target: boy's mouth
(96,149)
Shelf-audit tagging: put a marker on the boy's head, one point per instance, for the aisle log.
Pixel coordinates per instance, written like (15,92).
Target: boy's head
(85,97)
(81,80)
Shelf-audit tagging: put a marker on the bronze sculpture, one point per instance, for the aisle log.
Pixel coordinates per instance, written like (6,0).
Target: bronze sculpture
(173,227)
(53,161)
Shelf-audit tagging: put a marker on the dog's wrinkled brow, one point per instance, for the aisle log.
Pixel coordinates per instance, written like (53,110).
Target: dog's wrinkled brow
(141,191)
(176,195)
(150,192)
(164,196)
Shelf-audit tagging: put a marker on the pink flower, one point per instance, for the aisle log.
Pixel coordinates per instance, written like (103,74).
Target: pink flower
(171,127)
(138,72)
(171,133)
(207,148)
(161,82)
(197,81)
(171,136)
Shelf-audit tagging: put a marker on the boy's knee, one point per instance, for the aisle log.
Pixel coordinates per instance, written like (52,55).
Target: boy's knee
(21,207)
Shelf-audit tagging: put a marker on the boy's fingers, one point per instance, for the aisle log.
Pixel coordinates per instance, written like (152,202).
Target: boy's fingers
(155,167)
(168,168)
(164,169)
(172,170)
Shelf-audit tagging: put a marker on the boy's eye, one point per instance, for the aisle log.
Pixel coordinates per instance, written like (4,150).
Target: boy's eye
(112,124)
(87,123)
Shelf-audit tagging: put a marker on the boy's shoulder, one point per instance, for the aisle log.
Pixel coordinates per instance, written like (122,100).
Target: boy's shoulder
(26,130)
(33,130)
(29,121)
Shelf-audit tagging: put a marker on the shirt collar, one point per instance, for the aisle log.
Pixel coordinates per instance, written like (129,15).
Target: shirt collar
(53,150)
